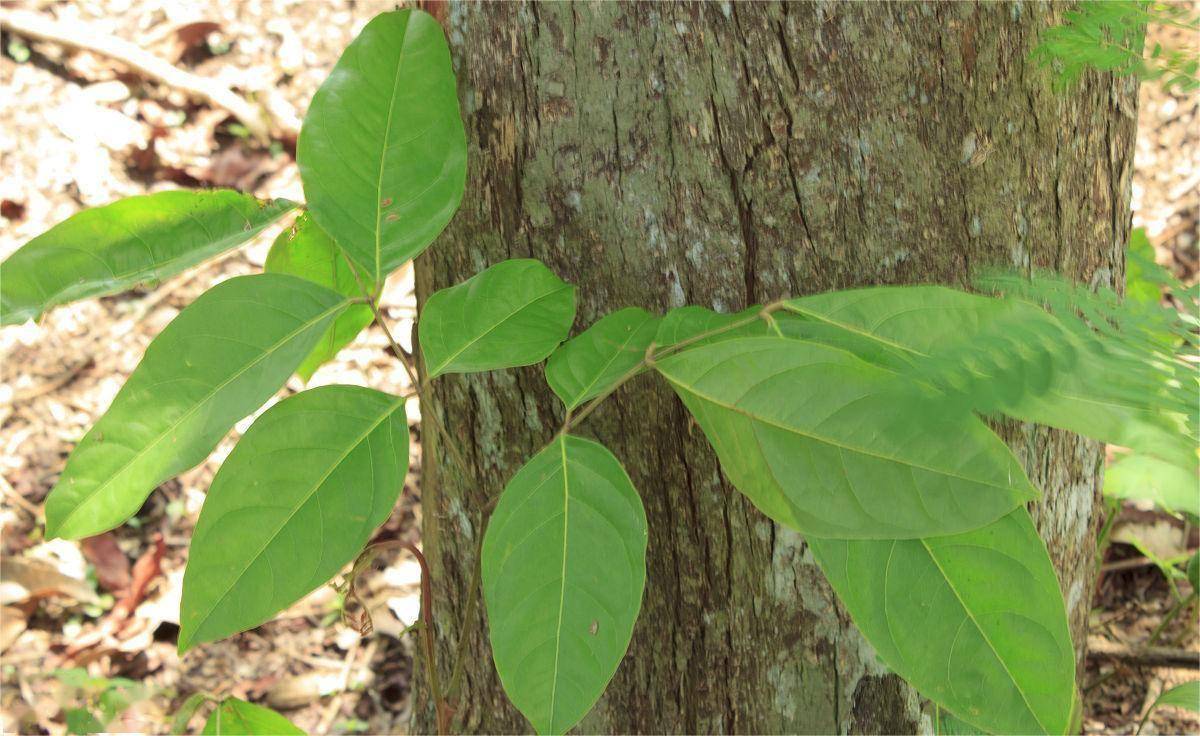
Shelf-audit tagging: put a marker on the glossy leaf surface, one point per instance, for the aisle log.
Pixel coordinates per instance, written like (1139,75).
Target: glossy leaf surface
(383,151)
(235,717)
(305,250)
(295,502)
(974,621)
(564,566)
(590,363)
(514,313)
(219,360)
(832,446)
(135,240)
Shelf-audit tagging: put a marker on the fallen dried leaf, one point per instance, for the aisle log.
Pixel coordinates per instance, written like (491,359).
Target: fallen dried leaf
(24,579)
(112,566)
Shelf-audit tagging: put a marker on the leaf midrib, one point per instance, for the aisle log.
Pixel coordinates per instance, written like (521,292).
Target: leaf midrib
(205,399)
(791,307)
(471,343)
(386,414)
(387,131)
(575,401)
(982,633)
(562,591)
(816,438)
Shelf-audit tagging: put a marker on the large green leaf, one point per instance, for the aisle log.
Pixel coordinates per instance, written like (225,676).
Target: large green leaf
(514,313)
(592,362)
(235,717)
(115,247)
(219,360)
(1098,395)
(564,565)
(829,445)
(1145,477)
(700,326)
(383,152)
(295,501)
(974,621)
(305,250)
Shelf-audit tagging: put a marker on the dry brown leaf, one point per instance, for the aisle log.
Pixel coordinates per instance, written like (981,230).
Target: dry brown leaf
(12,624)
(23,579)
(112,566)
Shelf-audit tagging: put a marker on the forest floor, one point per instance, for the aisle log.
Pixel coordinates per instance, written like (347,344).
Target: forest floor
(77,130)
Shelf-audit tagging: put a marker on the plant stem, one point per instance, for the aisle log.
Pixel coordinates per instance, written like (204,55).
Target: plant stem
(573,420)
(1162,626)
(440,705)
(401,355)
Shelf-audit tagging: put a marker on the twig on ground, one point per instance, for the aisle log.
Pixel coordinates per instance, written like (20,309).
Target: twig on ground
(1145,656)
(19,500)
(37,27)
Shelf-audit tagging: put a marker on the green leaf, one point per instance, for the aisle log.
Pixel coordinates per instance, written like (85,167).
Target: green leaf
(564,566)
(829,445)
(1093,397)
(974,621)
(383,151)
(135,240)
(81,721)
(1186,696)
(179,722)
(1144,278)
(1193,572)
(690,322)
(219,360)
(305,250)
(295,501)
(238,717)
(590,363)
(950,725)
(1147,478)
(514,313)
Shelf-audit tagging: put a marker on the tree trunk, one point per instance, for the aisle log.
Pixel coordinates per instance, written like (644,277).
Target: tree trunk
(724,155)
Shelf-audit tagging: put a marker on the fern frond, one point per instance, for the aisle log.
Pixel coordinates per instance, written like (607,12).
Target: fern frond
(1109,35)
(1149,351)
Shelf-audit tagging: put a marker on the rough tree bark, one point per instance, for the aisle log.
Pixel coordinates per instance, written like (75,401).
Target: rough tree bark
(724,155)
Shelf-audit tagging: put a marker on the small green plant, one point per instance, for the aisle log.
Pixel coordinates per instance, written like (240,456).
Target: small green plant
(232,717)
(852,417)
(1185,695)
(1109,35)
(92,703)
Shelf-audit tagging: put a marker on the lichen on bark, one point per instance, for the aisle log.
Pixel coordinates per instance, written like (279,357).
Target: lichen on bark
(660,154)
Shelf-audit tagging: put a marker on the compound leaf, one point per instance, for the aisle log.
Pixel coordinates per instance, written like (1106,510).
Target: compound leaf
(219,360)
(115,247)
(514,313)
(305,250)
(237,717)
(829,445)
(383,151)
(295,501)
(590,363)
(564,566)
(974,621)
